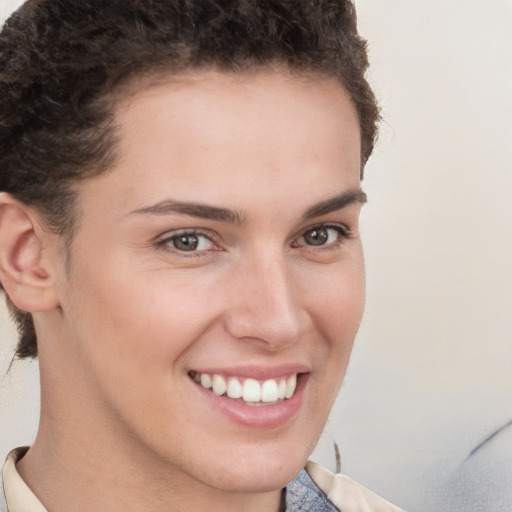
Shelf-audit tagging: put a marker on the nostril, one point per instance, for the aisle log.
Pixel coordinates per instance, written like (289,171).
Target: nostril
(273,328)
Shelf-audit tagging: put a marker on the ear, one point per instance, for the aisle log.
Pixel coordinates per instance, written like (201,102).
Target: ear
(24,271)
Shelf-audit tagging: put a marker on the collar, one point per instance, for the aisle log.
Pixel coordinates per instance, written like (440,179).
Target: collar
(344,493)
(18,496)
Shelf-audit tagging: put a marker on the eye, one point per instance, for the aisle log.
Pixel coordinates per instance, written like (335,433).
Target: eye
(187,241)
(323,236)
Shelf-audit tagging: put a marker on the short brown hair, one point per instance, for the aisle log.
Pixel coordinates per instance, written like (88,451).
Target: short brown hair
(60,60)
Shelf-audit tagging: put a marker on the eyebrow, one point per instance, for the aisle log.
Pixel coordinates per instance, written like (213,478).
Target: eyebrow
(201,211)
(335,203)
(216,213)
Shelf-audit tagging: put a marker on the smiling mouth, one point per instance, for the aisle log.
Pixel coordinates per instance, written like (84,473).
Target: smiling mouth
(249,391)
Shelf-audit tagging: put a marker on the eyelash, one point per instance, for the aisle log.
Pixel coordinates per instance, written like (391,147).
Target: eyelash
(167,241)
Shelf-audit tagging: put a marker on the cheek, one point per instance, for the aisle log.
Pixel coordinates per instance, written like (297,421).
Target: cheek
(336,310)
(337,300)
(147,321)
(132,333)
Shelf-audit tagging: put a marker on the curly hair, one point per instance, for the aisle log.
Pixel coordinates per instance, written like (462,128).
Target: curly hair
(62,60)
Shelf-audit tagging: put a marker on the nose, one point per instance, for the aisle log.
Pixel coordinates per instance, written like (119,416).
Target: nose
(264,303)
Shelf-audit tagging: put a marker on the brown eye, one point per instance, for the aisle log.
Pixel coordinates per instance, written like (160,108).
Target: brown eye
(323,236)
(185,242)
(316,236)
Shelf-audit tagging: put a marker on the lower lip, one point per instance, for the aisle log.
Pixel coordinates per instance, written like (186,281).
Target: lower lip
(263,416)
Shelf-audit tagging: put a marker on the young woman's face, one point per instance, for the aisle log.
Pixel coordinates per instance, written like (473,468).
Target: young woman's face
(217,263)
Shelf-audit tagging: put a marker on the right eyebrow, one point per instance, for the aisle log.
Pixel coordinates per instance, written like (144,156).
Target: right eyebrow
(202,211)
(335,203)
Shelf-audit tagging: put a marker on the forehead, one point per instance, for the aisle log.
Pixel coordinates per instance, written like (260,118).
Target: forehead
(235,95)
(224,137)
(207,109)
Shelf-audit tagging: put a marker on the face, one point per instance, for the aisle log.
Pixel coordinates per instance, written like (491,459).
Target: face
(216,265)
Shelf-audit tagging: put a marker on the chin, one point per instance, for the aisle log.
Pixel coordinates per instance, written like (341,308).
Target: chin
(256,478)
(260,467)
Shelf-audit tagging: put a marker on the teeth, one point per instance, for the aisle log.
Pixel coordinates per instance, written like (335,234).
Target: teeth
(234,388)
(291,384)
(281,390)
(269,391)
(219,385)
(251,391)
(206,381)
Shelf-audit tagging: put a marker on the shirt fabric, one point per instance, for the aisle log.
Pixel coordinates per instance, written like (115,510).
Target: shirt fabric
(315,489)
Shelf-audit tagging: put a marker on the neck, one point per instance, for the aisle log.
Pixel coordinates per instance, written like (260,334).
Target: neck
(105,477)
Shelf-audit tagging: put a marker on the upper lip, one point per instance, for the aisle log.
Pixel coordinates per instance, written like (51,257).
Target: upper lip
(256,372)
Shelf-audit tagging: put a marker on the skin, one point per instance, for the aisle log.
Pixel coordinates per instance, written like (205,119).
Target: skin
(123,425)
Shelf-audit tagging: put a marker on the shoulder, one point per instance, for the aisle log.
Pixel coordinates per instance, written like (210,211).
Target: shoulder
(318,490)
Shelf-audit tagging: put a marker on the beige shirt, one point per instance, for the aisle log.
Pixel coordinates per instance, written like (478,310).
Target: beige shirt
(344,493)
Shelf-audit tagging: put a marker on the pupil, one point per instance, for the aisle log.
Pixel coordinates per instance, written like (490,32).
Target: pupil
(186,242)
(317,236)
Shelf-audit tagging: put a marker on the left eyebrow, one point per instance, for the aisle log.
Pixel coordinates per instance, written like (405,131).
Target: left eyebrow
(335,203)
(198,210)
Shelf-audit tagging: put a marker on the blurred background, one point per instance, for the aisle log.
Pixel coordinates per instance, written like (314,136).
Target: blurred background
(431,375)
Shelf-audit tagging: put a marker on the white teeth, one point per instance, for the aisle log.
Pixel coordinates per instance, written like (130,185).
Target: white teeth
(234,388)
(269,391)
(291,384)
(206,381)
(219,385)
(281,390)
(251,390)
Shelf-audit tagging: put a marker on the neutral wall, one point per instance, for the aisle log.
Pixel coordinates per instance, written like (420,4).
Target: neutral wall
(431,373)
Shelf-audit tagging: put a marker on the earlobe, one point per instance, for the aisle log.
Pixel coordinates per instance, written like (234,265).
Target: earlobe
(24,272)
